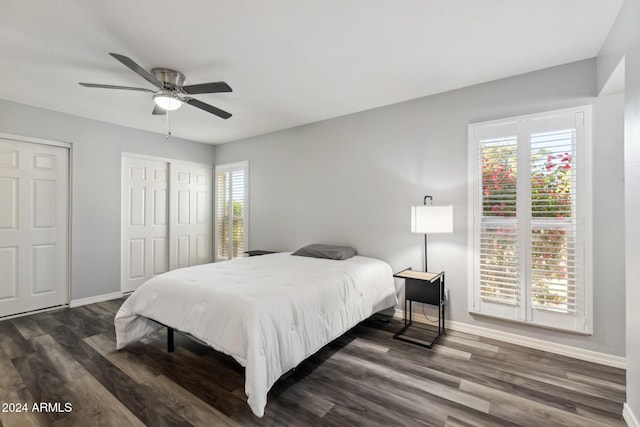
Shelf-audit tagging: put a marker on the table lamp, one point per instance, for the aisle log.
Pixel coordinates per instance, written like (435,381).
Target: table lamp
(431,219)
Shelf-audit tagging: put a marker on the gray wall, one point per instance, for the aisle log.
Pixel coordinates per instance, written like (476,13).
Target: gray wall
(623,41)
(97,148)
(352,180)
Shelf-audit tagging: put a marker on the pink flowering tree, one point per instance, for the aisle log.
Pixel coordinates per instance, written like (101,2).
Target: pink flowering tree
(551,186)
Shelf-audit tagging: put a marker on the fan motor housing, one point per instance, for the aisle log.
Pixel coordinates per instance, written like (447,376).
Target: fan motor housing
(172,79)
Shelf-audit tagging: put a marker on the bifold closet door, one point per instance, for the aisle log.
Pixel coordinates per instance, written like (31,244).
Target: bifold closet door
(166,217)
(34,226)
(145,245)
(190,212)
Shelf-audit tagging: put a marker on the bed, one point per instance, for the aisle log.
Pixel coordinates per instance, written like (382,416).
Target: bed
(268,312)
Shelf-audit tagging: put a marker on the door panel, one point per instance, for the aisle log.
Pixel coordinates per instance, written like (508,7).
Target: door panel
(160,207)
(44,267)
(183,251)
(191,223)
(8,273)
(144,221)
(9,206)
(136,259)
(160,255)
(137,202)
(9,157)
(34,236)
(203,252)
(44,203)
(183,207)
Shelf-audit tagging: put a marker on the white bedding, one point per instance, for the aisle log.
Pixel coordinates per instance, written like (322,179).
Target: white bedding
(268,312)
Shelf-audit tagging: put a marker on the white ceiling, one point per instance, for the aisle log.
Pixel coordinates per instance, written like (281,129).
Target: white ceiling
(289,62)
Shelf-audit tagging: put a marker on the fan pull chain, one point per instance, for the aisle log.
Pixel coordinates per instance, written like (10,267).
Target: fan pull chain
(168,125)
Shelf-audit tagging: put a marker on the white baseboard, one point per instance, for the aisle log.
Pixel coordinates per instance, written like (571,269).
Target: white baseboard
(629,417)
(95,299)
(538,344)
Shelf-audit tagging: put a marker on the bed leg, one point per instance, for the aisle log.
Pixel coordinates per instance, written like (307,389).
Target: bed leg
(170,344)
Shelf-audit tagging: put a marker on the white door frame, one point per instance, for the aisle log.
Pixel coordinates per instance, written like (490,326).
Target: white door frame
(69,147)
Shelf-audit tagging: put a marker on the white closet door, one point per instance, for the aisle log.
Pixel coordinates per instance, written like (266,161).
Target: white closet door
(144,221)
(34,236)
(191,208)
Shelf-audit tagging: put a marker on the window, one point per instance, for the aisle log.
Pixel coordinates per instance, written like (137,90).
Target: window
(530,202)
(231,210)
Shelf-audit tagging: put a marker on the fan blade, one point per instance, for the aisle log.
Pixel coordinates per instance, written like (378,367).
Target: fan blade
(128,62)
(208,108)
(215,87)
(140,89)
(157,111)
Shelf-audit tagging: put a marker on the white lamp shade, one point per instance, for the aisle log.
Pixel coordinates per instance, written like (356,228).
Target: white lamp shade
(167,102)
(429,219)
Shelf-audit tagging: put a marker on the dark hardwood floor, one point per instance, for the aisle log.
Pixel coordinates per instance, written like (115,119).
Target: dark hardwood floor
(363,378)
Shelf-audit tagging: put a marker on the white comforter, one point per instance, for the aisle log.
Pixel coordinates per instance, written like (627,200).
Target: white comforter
(268,312)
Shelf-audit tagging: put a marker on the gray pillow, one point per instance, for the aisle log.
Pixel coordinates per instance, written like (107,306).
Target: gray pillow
(317,250)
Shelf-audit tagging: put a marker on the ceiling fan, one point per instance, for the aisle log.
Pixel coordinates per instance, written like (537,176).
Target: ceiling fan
(170,93)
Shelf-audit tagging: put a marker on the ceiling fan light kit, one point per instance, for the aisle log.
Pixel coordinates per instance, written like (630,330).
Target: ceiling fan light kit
(170,85)
(167,101)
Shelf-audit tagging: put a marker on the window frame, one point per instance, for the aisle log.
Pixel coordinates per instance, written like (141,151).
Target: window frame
(230,168)
(580,322)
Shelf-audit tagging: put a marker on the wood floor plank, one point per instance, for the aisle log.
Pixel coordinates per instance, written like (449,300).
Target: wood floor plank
(27,326)
(551,379)
(82,322)
(57,359)
(12,342)
(363,378)
(197,380)
(127,362)
(403,401)
(423,383)
(581,387)
(180,400)
(517,409)
(531,357)
(9,379)
(190,406)
(466,344)
(43,383)
(513,381)
(602,417)
(22,419)
(597,382)
(94,402)
(137,398)
(409,398)
(363,403)
(318,405)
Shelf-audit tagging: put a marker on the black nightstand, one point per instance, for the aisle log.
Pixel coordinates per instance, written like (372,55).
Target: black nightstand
(258,252)
(427,288)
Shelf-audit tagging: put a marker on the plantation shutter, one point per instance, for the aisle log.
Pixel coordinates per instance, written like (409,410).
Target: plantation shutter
(553,222)
(498,228)
(231,210)
(500,259)
(557,227)
(530,228)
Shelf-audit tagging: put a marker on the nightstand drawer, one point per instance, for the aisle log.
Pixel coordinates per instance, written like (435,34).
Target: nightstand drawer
(422,291)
